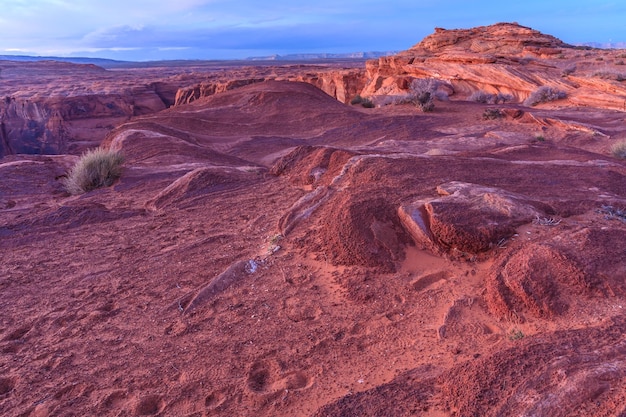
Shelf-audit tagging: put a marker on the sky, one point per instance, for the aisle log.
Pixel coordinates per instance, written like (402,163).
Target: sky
(141,30)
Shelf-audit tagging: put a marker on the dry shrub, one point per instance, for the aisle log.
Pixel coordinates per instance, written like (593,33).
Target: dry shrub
(481,96)
(610,75)
(544,94)
(422,93)
(365,102)
(492,114)
(619,149)
(96,168)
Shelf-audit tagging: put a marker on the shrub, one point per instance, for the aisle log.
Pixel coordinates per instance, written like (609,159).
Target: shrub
(422,93)
(569,70)
(365,102)
(503,98)
(356,100)
(544,94)
(96,168)
(481,96)
(619,149)
(492,114)
(610,75)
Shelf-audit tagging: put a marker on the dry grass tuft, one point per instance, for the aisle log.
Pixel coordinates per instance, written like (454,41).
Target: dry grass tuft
(544,94)
(619,149)
(96,168)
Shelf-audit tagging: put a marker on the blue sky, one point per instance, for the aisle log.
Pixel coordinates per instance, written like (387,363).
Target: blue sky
(226,29)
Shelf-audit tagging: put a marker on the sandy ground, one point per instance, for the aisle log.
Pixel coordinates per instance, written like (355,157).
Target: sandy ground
(251,261)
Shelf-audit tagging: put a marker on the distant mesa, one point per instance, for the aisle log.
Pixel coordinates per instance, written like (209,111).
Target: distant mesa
(322,56)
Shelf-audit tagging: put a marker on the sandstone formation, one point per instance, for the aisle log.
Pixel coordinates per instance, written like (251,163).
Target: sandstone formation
(270,250)
(71,107)
(504,58)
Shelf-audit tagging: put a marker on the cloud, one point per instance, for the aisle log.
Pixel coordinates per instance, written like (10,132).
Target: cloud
(231,27)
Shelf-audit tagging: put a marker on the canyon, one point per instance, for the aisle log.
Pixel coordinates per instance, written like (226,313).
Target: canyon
(273,250)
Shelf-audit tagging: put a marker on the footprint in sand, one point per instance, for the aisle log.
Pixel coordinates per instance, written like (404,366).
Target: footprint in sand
(298,310)
(265,377)
(149,405)
(115,400)
(214,400)
(6,386)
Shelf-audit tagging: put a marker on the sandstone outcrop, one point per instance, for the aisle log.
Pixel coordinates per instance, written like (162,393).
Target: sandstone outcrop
(504,58)
(467,218)
(340,84)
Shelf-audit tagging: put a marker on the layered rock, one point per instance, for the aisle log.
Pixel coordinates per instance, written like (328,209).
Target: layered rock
(503,58)
(468,218)
(340,84)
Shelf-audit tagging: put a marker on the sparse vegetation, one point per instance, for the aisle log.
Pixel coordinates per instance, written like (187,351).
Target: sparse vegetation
(492,114)
(516,334)
(619,149)
(503,98)
(365,102)
(613,213)
(96,168)
(540,138)
(610,75)
(569,70)
(546,221)
(422,93)
(544,94)
(481,96)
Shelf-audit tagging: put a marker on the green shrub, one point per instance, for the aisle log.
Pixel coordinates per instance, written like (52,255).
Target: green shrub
(544,94)
(96,168)
(619,149)
(356,100)
(365,102)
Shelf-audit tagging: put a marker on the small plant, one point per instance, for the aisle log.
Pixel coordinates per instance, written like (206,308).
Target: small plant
(569,70)
(546,221)
(422,93)
(619,149)
(356,100)
(503,98)
(540,138)
(492,114)
(273,245)
(613,213)
(610,75)
(365,102)
(96,168)
(544,94)
(516,334)
(481,96)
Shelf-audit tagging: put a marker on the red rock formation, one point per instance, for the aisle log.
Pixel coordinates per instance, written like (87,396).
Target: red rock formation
(502,58)
(340,84)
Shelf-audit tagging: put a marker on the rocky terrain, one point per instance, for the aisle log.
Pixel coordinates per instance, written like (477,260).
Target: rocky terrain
(272,250)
